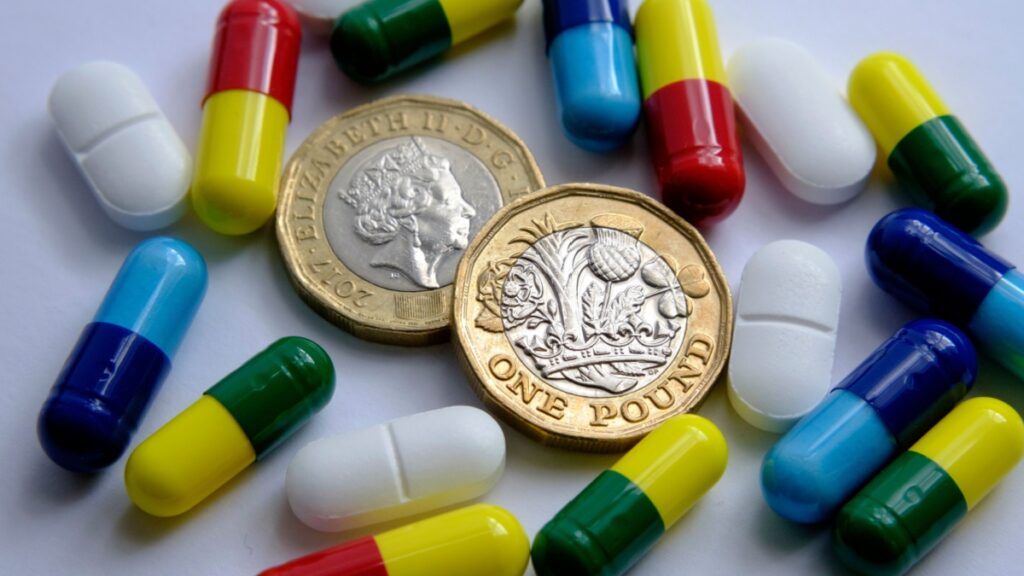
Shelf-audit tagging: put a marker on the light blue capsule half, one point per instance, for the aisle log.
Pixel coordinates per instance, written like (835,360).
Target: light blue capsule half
(825,458)
(157,292)
(998,322)
(596,85)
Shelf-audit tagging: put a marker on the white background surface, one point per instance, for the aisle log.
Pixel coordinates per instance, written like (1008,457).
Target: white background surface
(59,254)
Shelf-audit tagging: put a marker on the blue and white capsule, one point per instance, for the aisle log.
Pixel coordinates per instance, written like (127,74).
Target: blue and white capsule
(590,47)
(937,269)
(122,356)
(885,405)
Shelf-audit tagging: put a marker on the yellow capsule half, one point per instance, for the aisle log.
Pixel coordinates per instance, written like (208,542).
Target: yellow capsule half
(977,444)
(677,40)
(238,163)
(467,18)
(892,97)
(676,464)
(187,459)
(479,540)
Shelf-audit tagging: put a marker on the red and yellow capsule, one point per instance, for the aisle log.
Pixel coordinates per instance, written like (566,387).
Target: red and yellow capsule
(479,540)
(245,115)
(690,119)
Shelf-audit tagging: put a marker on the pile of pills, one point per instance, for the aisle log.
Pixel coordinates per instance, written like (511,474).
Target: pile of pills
(892,456)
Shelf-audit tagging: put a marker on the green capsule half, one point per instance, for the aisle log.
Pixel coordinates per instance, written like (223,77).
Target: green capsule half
(380,38)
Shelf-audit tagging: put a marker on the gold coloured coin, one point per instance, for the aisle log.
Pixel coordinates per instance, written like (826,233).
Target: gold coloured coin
(585,315)
(380,202)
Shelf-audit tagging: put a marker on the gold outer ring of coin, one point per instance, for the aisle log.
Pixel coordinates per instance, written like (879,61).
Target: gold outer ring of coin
(514,390)
(319,276)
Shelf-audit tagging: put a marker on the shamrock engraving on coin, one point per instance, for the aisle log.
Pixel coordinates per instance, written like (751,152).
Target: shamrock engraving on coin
(586,315)
(379,204)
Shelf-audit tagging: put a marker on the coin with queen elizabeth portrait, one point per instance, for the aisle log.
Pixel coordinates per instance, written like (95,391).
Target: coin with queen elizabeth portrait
(379,203)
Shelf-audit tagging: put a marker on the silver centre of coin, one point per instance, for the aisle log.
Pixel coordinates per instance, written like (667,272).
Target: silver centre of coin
(401,211)
(593,311)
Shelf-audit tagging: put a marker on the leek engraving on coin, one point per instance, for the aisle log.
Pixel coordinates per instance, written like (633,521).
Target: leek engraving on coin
(399,215)
(594,311)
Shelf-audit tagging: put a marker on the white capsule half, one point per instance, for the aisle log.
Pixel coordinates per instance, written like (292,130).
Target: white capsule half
(800,122)
(403,467)
(319,15)
(136,164)
(784,339)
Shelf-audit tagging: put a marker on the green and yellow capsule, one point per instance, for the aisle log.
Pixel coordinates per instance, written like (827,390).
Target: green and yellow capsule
(380,38)
(238,421)
(930,152)
(912,504)
(615,520)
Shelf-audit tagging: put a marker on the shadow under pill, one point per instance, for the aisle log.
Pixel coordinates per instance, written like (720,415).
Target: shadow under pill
(138,528)
(56,486)
(776,532)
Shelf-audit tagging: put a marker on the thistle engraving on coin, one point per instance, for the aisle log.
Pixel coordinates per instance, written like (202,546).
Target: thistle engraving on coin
(586,315)
(593,310)
(380,202)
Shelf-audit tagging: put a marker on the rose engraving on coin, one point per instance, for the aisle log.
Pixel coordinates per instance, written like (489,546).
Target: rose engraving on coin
(586,315)
(379,203)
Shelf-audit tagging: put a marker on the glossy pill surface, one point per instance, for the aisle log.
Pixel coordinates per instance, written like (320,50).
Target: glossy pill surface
(928,149)
(787,315)
(616,519)
(122,356)
(407,466)
(937,269)
(905,511)
(236,422)
(246,112)
(478,540)
(380,38)
(799,121)
(590,48)
(135,163)
(691,123)
(883,406)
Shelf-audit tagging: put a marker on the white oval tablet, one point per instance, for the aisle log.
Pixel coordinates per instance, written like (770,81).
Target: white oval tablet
(406,466)
(784,339)
(134,161)
(800,122)
(319,15)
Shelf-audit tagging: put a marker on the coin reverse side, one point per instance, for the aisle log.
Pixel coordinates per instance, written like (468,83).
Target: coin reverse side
(586,315)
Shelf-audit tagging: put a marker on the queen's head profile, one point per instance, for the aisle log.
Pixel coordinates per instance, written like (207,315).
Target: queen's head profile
(407,202)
